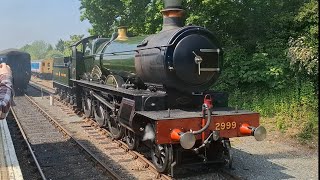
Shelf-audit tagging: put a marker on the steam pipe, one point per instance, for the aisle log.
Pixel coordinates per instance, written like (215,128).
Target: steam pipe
(205,108)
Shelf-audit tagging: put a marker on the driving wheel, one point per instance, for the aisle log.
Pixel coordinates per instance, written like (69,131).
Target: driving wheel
(99,114)
(131,139)
(162,156)
(114,126)
(87,106)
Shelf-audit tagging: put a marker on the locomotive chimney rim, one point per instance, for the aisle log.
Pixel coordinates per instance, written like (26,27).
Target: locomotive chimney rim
(122,33)
(172,14)
(172,5)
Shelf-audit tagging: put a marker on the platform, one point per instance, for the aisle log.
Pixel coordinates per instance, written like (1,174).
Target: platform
(9,165)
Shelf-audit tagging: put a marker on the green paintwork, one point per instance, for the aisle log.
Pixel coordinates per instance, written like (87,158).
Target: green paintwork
(119,55)
(60,71)
(88,63)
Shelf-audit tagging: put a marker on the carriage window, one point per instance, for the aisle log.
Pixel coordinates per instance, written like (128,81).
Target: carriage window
(48,64)
(43,64)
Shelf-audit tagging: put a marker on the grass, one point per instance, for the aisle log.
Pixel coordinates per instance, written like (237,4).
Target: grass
(296,113)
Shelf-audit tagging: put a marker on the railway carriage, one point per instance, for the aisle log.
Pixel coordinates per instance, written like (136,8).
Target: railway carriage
(42,68)
(19,63)
(155,89)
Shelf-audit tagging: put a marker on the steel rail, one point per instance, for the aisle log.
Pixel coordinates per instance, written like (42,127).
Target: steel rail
(28,144)
(67,133)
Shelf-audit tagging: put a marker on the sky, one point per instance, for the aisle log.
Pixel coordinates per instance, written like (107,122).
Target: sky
(25,21)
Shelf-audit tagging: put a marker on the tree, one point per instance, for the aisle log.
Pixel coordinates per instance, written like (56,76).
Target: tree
(37,49)
(54,53)
(25,47)
(141,16)
(303,50)
(60,46)
(101,14)
(68,43)
(50,48)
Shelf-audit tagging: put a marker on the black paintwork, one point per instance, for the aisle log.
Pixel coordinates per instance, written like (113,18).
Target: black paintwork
(167,58)
(20,65)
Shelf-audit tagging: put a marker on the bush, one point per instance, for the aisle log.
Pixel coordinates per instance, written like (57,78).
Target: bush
(295,110)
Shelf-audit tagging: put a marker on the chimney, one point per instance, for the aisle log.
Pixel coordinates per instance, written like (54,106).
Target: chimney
(122,33)
(172,14)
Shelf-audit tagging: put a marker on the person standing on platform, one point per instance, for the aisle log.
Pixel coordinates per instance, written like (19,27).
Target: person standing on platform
(6,90)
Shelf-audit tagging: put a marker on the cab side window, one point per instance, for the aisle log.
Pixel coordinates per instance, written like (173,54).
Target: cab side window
(88,49)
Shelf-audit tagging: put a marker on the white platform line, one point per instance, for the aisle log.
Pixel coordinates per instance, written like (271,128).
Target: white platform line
(3,165)
(14,171)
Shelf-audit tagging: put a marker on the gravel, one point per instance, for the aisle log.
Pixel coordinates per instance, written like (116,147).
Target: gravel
(273,159)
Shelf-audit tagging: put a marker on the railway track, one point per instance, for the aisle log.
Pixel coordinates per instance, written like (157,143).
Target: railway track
(93,129)
(52,148)
(89,126)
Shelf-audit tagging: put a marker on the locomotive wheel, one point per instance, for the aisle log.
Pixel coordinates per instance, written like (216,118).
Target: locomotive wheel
(67,98)
(99,114)
(114,126)
(61,95)
(87,106)
(131,139)
(162,157)
(71,100)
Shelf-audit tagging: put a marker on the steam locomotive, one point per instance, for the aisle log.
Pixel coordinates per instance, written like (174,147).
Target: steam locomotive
(155,89)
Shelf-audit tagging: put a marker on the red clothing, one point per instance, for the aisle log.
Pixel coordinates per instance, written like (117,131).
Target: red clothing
(5,95)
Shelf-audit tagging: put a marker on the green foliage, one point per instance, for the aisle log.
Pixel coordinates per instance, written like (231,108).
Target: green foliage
(67,43)
(252,71)
(101,14)
(40,49)
(292,110)
(153,18)
(303,51)
(141,16)
(37,49)
(53,54)
(60,46)
(300,112)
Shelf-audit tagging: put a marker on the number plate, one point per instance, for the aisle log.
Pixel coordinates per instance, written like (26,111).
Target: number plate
(226,125)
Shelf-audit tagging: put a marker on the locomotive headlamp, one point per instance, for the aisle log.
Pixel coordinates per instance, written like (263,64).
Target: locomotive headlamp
(259,133)
(187,139)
